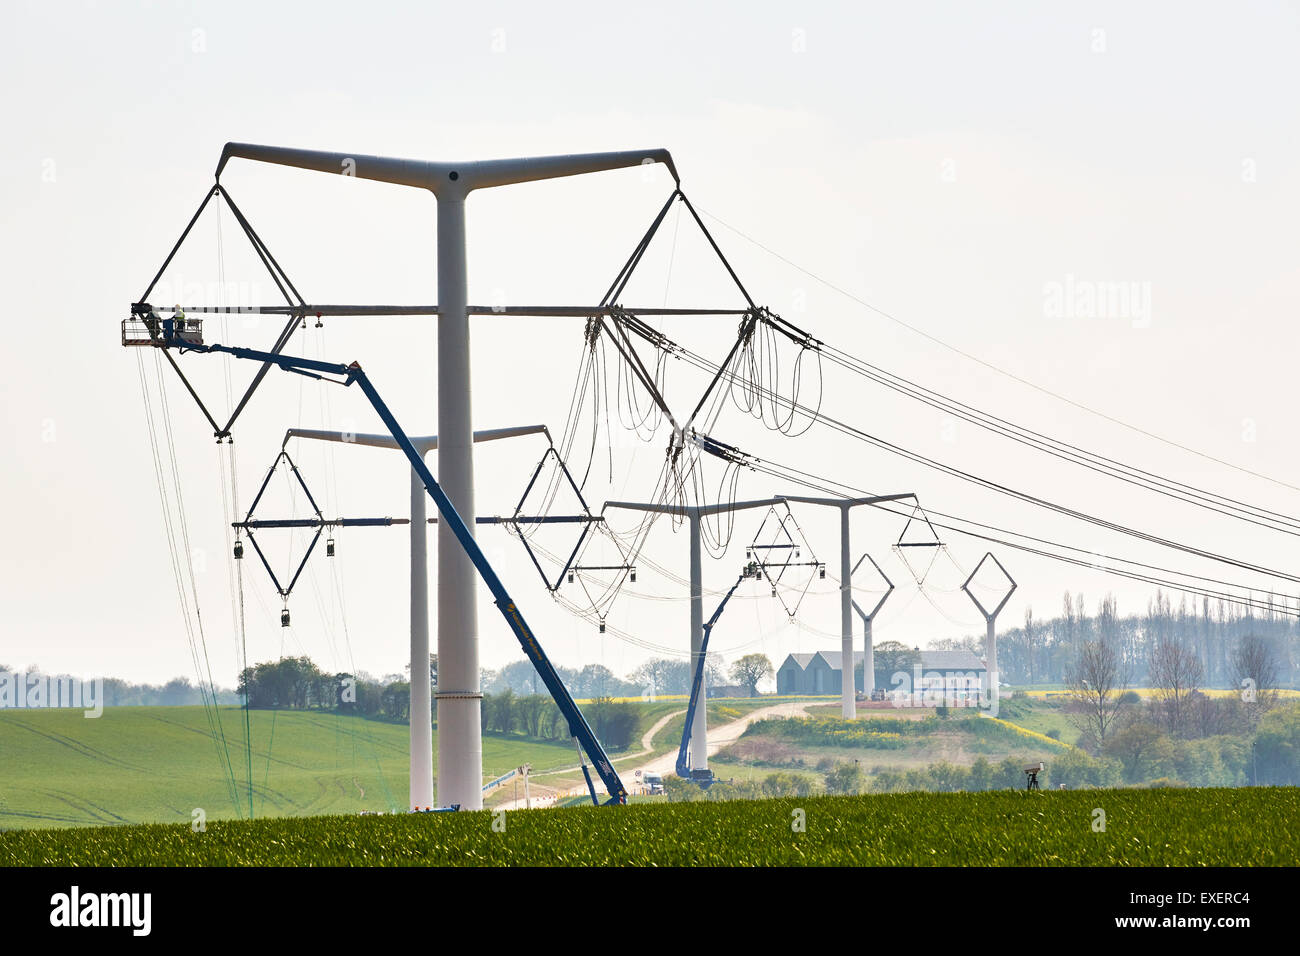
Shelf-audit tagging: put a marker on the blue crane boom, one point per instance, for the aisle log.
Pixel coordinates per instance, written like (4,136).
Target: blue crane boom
(578,726)
(703,777)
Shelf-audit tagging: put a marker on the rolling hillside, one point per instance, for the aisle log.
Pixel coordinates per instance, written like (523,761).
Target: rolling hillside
(157,764)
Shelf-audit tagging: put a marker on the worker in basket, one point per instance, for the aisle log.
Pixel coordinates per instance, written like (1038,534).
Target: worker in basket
(175,324)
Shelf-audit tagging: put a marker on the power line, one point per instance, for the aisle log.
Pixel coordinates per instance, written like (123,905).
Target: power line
(1066,451)
(994,368)
(833,487)
(953,471)
(732,377)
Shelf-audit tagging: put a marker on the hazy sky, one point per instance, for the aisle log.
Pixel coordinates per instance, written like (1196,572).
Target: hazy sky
(965,171)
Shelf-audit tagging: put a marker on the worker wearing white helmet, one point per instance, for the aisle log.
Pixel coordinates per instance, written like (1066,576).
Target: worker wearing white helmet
(174,324)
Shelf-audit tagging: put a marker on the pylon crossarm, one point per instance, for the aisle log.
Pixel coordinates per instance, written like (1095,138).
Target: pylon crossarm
(445,178)
(505,311)
(318,523)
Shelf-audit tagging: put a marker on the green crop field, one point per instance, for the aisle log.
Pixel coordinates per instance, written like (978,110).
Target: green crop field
(157,764)
(1242,827)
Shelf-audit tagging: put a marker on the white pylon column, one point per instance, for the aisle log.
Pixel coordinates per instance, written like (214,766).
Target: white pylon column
(991,653)
(421,788)
(848,699)
(460,734)
(868,659)
(700,729)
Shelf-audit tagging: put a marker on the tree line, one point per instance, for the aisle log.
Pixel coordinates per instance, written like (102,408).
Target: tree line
(1179,730)
(1042,651)
(296,683)
(659,676)
(538,717)
(178,692)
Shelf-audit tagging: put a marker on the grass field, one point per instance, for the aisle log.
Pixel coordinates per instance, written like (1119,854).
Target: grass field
(1040,714)
(1052,828)
(156,764)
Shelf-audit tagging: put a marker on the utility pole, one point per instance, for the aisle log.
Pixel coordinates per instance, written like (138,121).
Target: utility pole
(460,741)
(868,651)
(990,617)
(421,783)
(848,702)
(699,738)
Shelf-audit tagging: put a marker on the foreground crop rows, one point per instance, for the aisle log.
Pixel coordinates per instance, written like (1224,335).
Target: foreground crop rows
(1241,827)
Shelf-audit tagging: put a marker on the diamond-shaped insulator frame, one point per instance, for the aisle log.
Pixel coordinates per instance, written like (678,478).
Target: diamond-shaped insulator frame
(318,523)
(521,520)
(988,556)
(780,535)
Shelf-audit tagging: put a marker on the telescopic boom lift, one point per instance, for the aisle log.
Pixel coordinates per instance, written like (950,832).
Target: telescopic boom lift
(581,731)
(703,776)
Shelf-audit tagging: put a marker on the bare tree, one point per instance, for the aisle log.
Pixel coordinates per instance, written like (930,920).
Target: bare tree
(1031,639)
(1176,673)
(1067,620)
(662,675)
(1097,681)
(1108,620)
(1082,623)
(1255,666)
(715,670)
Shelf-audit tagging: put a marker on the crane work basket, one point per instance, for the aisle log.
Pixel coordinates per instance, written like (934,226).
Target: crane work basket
(149,328)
